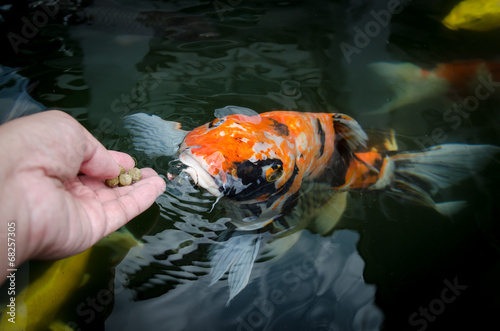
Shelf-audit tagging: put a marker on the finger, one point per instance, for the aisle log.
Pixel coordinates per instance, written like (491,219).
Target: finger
(140,197)
(123,159)
(148,172)
(149,176)
(98,162)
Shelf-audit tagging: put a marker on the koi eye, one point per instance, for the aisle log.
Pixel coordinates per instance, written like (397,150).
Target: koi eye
(273,173)
(215,123)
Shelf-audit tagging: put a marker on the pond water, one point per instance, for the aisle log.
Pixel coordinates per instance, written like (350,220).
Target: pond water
(387,265)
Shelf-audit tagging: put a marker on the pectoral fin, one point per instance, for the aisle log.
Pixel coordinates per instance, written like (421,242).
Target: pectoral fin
(237,256)
(349,130)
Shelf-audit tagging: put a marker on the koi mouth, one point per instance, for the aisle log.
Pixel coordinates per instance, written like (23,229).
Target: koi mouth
(190,170)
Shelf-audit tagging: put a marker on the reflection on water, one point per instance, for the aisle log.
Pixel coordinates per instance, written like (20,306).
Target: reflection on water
(16,100)
(317,278)
(317,285)
(385,260)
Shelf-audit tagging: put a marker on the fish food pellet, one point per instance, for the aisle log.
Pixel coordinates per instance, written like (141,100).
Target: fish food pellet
(125,179)
(112,182)
(136,174)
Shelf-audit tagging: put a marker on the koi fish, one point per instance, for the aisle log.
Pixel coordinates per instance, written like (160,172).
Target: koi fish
(475,15)
(257,163)
(412,84)
(43,299)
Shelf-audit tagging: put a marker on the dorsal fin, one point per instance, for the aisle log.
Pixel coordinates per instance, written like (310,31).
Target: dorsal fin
(350,131)
(232,110)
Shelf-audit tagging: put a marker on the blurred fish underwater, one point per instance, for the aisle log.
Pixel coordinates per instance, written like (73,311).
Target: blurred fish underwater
(452,81)
(475,15)
(135,25)
(40,303)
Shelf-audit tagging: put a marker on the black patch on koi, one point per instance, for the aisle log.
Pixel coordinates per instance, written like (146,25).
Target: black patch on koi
(322,137)
(379,162)
(253,180)
(215,123)
(280,128)
(250,172)
(339,164)
(284,188)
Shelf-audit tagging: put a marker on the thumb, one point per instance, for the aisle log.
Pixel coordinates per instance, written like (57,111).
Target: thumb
(100,163)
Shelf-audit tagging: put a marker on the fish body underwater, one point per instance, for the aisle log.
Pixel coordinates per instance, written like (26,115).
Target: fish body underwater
(411,84)
(475,15)
(41,302)
(134,23)
(257,163)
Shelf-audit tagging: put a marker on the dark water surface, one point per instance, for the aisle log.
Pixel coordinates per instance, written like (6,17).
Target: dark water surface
(388,265)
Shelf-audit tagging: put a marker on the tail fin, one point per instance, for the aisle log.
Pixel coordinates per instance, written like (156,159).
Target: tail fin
(418,176)
(409,83)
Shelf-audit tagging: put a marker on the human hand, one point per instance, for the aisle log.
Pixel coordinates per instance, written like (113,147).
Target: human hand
(51,177)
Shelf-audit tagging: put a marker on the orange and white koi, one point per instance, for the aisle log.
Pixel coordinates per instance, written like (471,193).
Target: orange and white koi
(412,84)
(257,163)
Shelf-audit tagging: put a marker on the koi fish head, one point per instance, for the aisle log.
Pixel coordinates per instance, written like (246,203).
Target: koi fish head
(244,158)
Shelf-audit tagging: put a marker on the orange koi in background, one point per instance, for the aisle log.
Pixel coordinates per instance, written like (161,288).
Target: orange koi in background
(256,164)
(412,84)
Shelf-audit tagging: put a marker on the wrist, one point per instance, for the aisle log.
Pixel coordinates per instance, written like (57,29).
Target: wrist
(13,210)
(13,226)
